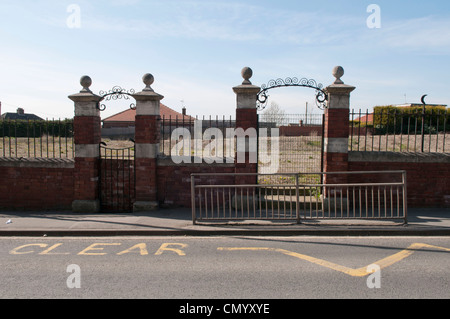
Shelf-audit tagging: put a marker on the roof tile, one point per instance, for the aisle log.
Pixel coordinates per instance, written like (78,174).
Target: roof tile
(129,115)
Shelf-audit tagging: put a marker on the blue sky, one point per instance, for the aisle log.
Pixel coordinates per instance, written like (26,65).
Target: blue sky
(196,50)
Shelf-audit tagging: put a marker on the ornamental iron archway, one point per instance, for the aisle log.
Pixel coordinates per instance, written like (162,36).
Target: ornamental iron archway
(321,94)
(117,165)
(300,136)
(116,93)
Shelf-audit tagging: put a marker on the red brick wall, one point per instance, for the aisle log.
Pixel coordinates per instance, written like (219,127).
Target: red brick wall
(300,130)
(335,162)
(145,179)
(360,131)
(49,185)
(246,118)
(147,129)
(85,179)
(107,124)
(428,183)
(34,186)
(336,123)
(87,129)
(174,181)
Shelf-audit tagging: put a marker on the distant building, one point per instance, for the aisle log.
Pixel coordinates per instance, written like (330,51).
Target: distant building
(365,119)
(21,115)
(127,118)
(122,125)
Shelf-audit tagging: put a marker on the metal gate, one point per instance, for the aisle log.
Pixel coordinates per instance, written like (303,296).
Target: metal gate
(117,179)
(378,195)
(299,139)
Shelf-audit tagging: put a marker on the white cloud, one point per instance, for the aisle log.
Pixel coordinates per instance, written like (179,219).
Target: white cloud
(124,2)
(427,33)
(228,21)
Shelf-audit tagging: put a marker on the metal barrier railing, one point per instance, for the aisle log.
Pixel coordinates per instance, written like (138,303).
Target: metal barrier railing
(340,195)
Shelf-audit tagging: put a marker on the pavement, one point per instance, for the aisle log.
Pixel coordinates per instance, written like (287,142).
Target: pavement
(178,222)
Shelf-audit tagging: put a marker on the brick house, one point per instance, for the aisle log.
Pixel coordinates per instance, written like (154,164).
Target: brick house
(20,115)
(123,124)
(127,117)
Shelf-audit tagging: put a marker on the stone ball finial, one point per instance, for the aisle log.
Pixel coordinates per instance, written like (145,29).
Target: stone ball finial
(148,80)
(338,72)
(247,74)
(85,82)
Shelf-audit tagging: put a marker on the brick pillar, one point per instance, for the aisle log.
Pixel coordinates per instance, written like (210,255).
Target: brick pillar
(247,123)
(147,146)
(87,138)
(336,127)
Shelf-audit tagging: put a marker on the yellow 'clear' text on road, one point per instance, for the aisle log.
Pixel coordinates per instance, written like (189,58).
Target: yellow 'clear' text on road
(100,249)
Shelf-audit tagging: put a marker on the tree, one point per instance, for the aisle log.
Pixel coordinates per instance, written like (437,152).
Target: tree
(274,114)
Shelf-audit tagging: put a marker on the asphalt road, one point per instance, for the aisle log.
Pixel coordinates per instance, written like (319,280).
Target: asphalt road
(225,267)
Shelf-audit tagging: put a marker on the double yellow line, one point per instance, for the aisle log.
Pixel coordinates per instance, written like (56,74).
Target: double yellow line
(359,272)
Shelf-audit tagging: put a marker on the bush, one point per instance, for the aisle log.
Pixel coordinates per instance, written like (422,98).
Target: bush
(408,120)
(36,129)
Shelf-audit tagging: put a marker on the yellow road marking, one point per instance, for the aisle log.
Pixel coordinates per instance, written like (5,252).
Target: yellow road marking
(359,272)
(166,247)
(48,251)
(142,249)
(96,247)
(16,251)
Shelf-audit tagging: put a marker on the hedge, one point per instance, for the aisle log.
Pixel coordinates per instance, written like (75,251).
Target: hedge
(36,129)
(391,119)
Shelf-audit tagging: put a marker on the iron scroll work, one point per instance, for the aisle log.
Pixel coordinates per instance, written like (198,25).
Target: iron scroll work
(321,94)
(116,93)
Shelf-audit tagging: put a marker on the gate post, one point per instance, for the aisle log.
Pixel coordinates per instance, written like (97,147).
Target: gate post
(87,138)
(147,145)
(247,120)
(336,127)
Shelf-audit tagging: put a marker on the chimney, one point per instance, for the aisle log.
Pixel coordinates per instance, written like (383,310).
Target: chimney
(20,111)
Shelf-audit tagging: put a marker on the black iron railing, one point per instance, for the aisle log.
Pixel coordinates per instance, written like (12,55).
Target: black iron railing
(37,139)
(174,128)
(393,129)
